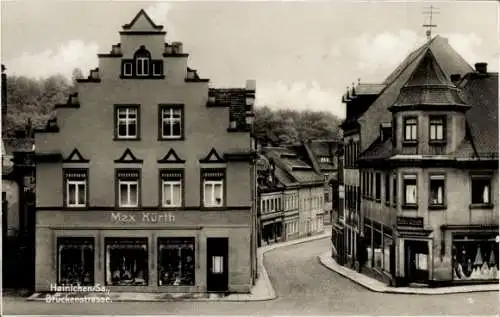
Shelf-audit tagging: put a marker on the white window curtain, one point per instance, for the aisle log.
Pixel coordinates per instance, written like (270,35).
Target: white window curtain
(411,194)
(486,195)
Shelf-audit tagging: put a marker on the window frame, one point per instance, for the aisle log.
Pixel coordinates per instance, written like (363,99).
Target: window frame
(141,241)
(406,124)
(126,63)
(437,177)
(81,242)
(164,241)
(161,120)
(435,140)
(157,64)
(387,188)
(116,119)
(83,178)
(129,180)
(144,61)
(176,177)
(395,189)
(378,186)
(221,179)
(481,176)
(410,177)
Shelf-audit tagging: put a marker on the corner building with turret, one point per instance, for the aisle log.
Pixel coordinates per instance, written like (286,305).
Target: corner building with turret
(145,177)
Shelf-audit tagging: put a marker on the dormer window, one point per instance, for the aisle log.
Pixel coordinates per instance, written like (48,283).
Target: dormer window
(142,66)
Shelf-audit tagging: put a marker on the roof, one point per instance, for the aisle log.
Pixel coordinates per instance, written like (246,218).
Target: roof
(428,85)
(293,168)
(378,150)
(481,93)
(143,20)
(449,61)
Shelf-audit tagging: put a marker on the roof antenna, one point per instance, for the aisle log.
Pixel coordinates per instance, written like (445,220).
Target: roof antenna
(429,26)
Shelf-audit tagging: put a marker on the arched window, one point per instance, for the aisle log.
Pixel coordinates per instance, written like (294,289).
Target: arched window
(142,59)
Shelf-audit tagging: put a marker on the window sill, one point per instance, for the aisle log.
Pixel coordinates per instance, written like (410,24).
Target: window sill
(410,142)
(378,200)
(143,77)
(137,208)
(388,204)
(437,142)
(437,207)
(171,139)
(205,208)
(76,208)
(409,206)
(481,206)
(126,139)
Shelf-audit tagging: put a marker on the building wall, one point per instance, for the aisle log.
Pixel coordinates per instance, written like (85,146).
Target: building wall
(455,132)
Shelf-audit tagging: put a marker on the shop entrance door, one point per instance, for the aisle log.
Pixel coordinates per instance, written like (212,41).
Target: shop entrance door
(416,260)
(217,264)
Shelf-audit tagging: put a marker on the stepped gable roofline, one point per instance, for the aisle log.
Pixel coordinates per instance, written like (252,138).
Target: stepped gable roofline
(142,13)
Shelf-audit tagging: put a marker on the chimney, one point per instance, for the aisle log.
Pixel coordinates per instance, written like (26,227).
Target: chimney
(481,67)
(250,85)
(177,47)
(455,78)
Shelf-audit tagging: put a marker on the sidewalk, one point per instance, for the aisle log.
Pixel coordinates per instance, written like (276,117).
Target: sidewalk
(377,286)
(261,291)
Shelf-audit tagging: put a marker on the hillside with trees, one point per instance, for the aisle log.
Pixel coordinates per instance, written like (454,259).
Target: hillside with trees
(284,127)
(30,101)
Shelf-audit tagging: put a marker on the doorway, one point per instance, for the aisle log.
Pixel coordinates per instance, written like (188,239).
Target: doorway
(217,264)
(416,261)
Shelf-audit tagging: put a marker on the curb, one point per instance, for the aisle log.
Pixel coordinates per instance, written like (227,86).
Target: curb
(393,290)
(263,275)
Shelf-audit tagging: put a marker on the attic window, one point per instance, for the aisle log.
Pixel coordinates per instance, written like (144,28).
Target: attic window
(142,61)
(142,66)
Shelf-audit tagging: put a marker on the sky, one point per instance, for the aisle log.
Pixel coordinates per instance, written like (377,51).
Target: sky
(302,54)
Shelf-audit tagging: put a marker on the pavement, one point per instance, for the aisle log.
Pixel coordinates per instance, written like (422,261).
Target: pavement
(303,287)
(374,285)
(262,290)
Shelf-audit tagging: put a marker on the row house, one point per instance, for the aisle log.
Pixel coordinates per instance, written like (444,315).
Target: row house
(145,177)
(321,155)
(428,169)
(302,194)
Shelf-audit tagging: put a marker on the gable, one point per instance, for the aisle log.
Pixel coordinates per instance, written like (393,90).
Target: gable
(171,157)
(212,157)
(142,23)
(75,157)
(128,157)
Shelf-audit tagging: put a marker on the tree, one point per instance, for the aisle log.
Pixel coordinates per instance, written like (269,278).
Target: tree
(284,127)
(32,100)
(77,74)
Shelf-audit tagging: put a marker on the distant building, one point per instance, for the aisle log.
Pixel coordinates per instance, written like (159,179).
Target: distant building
(427,166)
(321,155)
(146,177)
(291,195)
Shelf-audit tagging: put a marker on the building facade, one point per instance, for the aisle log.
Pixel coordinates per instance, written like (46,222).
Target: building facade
(145,178)
(428,169)
(301,193)
(320,154)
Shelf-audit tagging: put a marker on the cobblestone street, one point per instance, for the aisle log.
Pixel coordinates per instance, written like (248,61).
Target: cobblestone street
(303,286)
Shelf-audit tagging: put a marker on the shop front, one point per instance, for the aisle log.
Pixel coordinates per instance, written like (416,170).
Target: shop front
(414,256)
(379,245)
(475,256)
(144,255)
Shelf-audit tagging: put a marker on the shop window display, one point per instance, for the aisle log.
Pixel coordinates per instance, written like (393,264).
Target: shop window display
(377,249)
(368,242)
(176,261)
(387,253)
(475,257)
(126,261)
(75,261)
